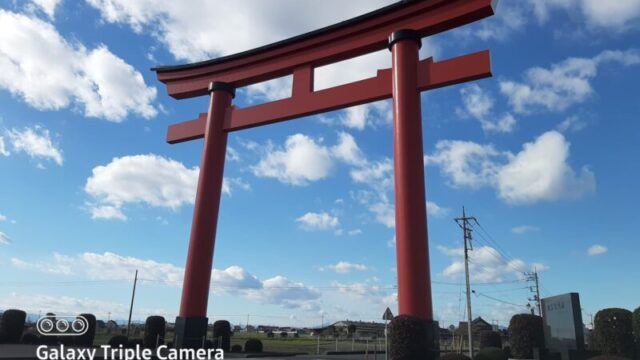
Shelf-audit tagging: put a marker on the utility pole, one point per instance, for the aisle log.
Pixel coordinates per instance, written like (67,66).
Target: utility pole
(463,222)
(536,297)
(133,295)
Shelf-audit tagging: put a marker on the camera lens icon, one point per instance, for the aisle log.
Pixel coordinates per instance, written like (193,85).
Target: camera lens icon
(79,325)
(62,325)
(45,326)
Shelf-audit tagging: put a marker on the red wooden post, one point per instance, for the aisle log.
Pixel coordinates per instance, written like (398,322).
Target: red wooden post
(412,250)
(414,285)
(191,324)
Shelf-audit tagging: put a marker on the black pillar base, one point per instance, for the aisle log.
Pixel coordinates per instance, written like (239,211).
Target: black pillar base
(413,338)
(190,332)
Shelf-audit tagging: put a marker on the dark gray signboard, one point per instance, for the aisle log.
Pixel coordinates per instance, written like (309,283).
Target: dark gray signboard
(563,328)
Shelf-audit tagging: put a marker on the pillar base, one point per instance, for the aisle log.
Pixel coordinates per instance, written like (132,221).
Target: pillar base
(190,332)
(413,338)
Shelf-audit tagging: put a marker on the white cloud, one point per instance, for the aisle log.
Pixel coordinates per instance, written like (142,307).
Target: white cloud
(60,264)
(523,229)
(564,84)
(373,293)
(300,161)
(149,179)
(344,267)
(3,148)
(286,293)
(35,142)
(354,232)
(486,264)
(436,210)
(66,305)
(597,250)
(539,172)
(271,90)
(3,218)
(478,104)
(47,6)
(617,16)
(318,221)
(347,150)
(572,123)
(277,290)
(4,239)
(510,17)
(611,14)
(96,81)
(467,164)
(184,29)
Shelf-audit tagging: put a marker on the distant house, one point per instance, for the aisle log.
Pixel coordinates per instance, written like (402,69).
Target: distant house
(363,330)
(112,325)
(478,325)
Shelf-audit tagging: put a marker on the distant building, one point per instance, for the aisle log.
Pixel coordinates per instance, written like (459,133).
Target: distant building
(363,330)
(478,325)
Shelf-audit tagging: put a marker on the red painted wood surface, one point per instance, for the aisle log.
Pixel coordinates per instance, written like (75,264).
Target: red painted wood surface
(304,102)
(338,43)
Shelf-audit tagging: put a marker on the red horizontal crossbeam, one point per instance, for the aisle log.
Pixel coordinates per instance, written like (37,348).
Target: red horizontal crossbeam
(306,102)
(342,41)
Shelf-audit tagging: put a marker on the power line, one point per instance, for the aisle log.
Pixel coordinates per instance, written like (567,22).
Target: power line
(495,244)
(504,258)
(499,300)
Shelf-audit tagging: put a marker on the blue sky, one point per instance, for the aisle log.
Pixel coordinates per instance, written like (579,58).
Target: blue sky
(543,154)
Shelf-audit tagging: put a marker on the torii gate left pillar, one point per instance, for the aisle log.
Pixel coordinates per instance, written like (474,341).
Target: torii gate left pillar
(298,57)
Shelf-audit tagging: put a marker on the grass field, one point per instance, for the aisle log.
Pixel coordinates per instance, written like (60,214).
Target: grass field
(303,344)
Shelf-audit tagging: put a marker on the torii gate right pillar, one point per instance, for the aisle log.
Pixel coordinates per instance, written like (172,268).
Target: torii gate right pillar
(412,250)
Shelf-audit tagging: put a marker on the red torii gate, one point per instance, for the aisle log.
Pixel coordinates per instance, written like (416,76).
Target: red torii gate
(400,27)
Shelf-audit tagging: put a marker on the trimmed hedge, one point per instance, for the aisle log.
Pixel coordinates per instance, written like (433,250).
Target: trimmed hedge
(608,357)
(253,345)
(613,332)
(491,353)
(222,334)
(452,356)
(86,339)
(118,340)
(636,330)
(526,332)
(12,326)
(490,339)
(409,337)
(30,339)
(154,331)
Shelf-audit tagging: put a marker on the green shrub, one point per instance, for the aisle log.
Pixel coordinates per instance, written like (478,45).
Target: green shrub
(526,332)
(118,340)
(409,338)
(86,339)
(453,356)
(491,353)
(608,357)
(270,333)
(236,348)
(253,346)
(613,332)
(154,331)
(283,334)
(30,339)
(490,339)
(222,334)
(12,326)
(132,343)
(636,330)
